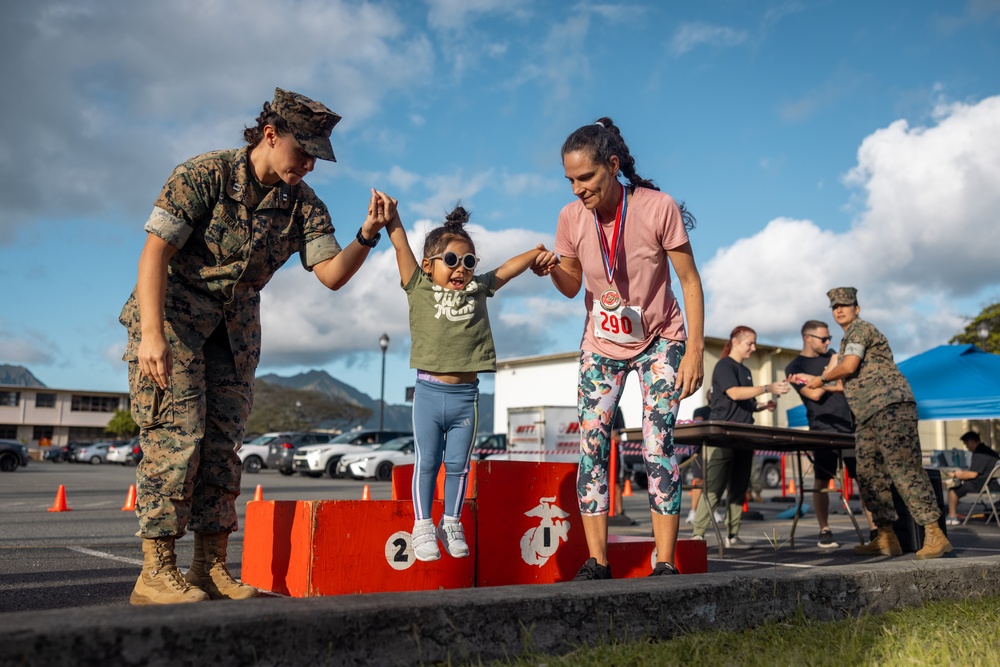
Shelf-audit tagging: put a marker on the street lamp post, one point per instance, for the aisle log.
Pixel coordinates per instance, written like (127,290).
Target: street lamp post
(984,333)
(383,343)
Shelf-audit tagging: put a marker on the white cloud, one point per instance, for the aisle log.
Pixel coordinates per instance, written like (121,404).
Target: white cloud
(925,238)
(306,324)
(691,35)
(103,115)
(22,351)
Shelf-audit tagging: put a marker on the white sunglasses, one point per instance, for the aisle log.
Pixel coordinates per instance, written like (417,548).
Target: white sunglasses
(452,259)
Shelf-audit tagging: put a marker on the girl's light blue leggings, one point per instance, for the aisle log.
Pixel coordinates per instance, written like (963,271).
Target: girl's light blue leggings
(445,419)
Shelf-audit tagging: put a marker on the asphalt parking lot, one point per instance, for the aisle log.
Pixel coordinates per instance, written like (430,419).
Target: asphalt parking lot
(89,557)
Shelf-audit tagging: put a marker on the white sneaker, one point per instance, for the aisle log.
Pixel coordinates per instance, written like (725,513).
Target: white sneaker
(699,538)
(735,542)
(720,516)
(452,536)
(690,517)
(953,521)
(425,546)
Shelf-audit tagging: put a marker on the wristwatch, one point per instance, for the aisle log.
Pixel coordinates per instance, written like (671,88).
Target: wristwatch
(365,242)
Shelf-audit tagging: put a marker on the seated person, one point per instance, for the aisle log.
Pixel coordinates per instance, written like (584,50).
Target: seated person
(961,482)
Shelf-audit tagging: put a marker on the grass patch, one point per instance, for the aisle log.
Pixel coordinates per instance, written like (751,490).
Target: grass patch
(941,633)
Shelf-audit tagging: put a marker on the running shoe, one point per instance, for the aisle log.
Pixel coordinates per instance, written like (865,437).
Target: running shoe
(690,517)
(425,546)
(591,571)
(734,542)
(826,540)
(452,537)
(953,521)
(663,569)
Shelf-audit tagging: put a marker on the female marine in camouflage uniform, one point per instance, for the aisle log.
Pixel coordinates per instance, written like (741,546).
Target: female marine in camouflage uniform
(887,444)
(223,224)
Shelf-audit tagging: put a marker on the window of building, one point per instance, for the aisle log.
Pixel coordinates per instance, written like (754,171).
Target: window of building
(8,431)
(45,400)
(10,398)
(83,403)
(40,432)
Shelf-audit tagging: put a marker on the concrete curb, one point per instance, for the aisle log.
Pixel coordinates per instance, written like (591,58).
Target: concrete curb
(476,624)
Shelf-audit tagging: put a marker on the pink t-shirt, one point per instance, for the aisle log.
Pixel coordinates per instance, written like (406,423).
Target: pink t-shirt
(653,225)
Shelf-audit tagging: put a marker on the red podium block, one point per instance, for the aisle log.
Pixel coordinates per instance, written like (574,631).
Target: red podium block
(402,482)
(310,548)
(530,530)
(633,556)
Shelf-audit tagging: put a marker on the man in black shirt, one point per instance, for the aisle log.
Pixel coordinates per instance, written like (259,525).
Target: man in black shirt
(965,481)
(826,410)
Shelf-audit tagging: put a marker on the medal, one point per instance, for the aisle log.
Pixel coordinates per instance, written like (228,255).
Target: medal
(611,299)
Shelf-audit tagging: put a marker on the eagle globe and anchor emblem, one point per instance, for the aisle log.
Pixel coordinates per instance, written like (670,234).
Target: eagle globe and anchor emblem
(540,543)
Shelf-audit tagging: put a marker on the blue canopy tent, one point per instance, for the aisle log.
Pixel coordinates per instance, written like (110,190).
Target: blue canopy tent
(949,382)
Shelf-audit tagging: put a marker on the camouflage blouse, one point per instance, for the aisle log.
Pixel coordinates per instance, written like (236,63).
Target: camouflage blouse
(229,245)
(878,382)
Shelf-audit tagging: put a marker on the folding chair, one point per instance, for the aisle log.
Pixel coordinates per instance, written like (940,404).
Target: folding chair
(991,503)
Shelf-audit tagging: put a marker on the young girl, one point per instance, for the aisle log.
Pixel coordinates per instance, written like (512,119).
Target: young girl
(451,345)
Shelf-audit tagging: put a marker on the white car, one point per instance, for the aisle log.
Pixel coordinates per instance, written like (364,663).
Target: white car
(314,460)
(380,462)
(253,453)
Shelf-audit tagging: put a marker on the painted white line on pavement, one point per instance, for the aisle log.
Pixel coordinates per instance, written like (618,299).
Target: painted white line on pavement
(760,562)
(101,554)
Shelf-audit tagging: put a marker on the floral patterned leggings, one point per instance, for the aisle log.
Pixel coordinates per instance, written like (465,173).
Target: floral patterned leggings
(601,382)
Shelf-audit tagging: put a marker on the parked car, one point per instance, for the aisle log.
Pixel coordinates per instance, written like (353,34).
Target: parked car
(13,455)
(135,455)
(125,453)
(281,450)
(60,454)
(489,445)
(253,453)
(93,453)
(379,462)
(314,460)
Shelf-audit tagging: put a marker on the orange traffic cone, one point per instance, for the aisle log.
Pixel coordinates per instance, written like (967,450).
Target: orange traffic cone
(832,485)
(791,486)
(746,505)
(366,493)
(60,504)
(627,491)
(129,505)
(259,493)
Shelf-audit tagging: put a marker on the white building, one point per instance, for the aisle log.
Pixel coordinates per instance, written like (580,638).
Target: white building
(552,380)
(30,414)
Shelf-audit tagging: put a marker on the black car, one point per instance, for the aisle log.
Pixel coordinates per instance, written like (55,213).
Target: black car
(67,452)
(281,450)
(13,455)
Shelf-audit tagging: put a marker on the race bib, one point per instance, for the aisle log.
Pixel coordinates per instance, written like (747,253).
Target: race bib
(623,325)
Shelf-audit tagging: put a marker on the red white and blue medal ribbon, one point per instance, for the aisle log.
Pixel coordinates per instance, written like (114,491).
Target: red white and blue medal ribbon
(611,299)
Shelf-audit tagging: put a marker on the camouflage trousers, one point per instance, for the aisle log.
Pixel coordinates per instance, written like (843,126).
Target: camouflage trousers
(888,451)
(190,473)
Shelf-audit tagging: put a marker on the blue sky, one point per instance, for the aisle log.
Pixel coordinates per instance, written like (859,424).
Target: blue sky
(818,144)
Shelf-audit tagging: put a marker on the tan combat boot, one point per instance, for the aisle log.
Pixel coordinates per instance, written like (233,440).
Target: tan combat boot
(161,582)
(209,572)
(884,544)
(935,543)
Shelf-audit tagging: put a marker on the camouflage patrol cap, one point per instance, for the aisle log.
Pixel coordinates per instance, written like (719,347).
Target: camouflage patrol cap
(843,296)
(310,122)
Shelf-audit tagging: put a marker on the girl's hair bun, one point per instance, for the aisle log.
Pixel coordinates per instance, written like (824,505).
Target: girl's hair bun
(455,220)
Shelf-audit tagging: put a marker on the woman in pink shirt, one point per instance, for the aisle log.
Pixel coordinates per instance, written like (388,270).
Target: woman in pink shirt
(618,242)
